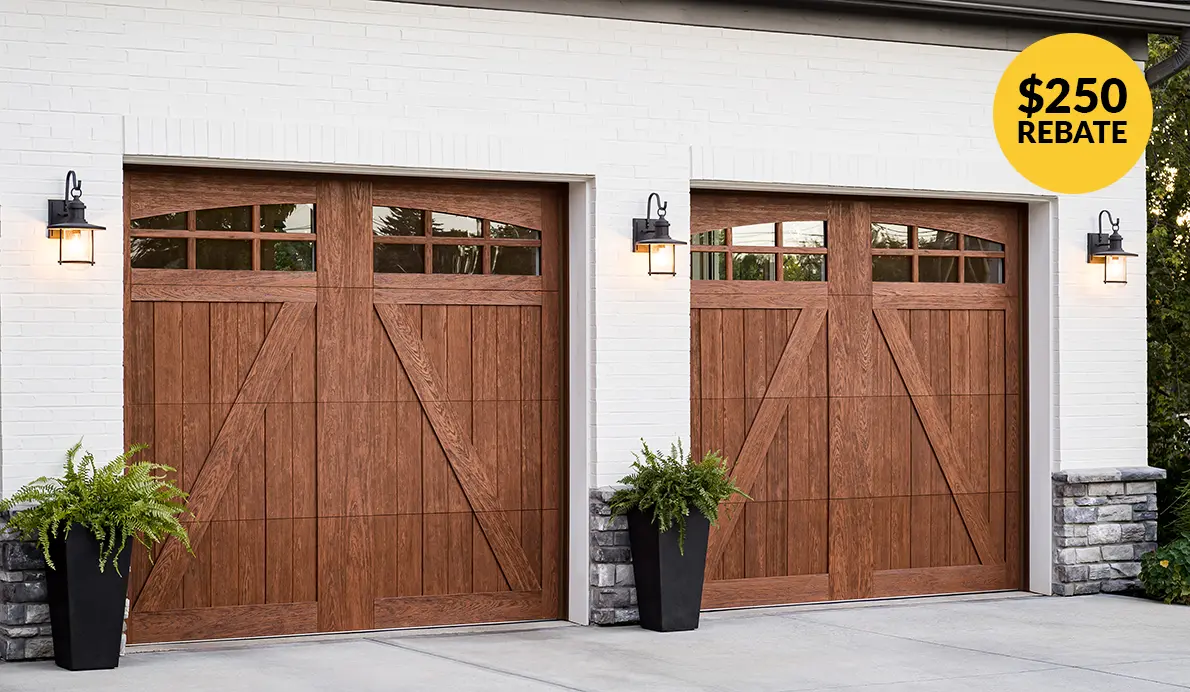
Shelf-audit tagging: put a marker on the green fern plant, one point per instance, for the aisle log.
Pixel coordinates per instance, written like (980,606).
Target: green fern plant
(119,500)
(669,485)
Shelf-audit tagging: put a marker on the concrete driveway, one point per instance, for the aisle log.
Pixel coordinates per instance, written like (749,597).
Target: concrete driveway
(1016,643)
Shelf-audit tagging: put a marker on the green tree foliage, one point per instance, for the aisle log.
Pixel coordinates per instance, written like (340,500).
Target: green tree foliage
(1168,159)
(752,267)
(119,500)
(400,222)
(668,485)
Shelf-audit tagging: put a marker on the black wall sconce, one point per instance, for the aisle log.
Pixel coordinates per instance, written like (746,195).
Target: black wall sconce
(652,236)
(68,223)
(1108,250)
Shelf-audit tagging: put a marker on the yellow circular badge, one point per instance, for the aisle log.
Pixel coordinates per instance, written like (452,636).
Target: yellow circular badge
(1073,113)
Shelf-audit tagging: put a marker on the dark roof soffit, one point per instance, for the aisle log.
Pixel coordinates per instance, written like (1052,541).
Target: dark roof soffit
(1141,15)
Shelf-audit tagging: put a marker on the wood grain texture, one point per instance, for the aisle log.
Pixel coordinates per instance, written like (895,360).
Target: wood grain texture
(224,294)
(852,557)
(850,265)
(421,296)
(715,210)
(156,191)
(758,294)
(926,296)
(461,282)
(941,580)
(464,460)
(331,495)
(460,609)
(783,590)
(524,204)
(245,414)
(218,277)
(936,428)
(750,459)
(921,460)
(996,222)
(222,622)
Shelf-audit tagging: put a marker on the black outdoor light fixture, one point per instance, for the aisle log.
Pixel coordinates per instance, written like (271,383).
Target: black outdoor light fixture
(68,223)
(652,236)
(1108,250)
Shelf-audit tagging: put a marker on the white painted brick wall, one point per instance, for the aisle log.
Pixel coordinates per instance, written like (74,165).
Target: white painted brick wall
(632,106)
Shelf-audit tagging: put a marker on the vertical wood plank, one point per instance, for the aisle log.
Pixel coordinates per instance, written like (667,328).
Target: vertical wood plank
(250,470)
(279,554)
(223,545)
(458,377)
(305,560)
(409,459)
(733,354)
(552,371)
(459,545)
(434,560)
(196,432)
(409,559)
(167,353)
(252,561)
(485,571)
(755,539)
(385,551)
(851,548)
(437,478)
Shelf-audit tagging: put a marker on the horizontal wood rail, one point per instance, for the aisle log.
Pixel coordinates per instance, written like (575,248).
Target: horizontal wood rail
(271,619)
(937,580)
(459,609)
(410,296)
(454,240)
(225,294)
(736,593)
(218,277)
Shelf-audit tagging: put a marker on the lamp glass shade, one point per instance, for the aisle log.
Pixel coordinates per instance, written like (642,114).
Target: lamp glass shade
(76,246)
(1115,269)
(662,259)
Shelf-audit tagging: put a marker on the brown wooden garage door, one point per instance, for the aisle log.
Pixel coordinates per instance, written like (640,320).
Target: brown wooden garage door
(358,381)
(859,363)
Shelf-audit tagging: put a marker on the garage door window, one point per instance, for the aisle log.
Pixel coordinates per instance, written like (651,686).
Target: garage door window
(267,237)
(420,241)
(774,251)
(928,255)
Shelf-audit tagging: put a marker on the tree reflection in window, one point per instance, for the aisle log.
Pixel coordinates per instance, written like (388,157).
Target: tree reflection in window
(398,221)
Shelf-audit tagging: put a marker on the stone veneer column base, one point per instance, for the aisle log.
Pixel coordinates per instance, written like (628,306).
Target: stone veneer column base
(24,612)
(1104,521)
(613,589)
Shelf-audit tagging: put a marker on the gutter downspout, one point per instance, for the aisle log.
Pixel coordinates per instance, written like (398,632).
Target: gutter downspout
(1162,71)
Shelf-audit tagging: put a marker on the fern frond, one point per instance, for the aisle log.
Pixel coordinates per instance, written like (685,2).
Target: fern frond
(115,501)
(668,485)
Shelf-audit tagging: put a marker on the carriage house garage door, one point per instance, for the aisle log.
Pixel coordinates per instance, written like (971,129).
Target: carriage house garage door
(358,381)
(858,361)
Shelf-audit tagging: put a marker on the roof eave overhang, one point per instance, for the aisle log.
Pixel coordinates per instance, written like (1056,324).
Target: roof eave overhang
(1136,15)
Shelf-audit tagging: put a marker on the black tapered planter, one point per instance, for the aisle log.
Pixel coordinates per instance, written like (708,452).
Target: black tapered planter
(86,605)
(668,582)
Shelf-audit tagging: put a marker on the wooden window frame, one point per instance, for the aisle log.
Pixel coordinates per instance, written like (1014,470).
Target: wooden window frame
(485,241)
(961,254)
(192,235)
(780,250)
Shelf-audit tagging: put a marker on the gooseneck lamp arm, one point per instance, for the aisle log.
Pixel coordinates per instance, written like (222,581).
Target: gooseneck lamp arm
(660,207)
(76,189)
(1114,223)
